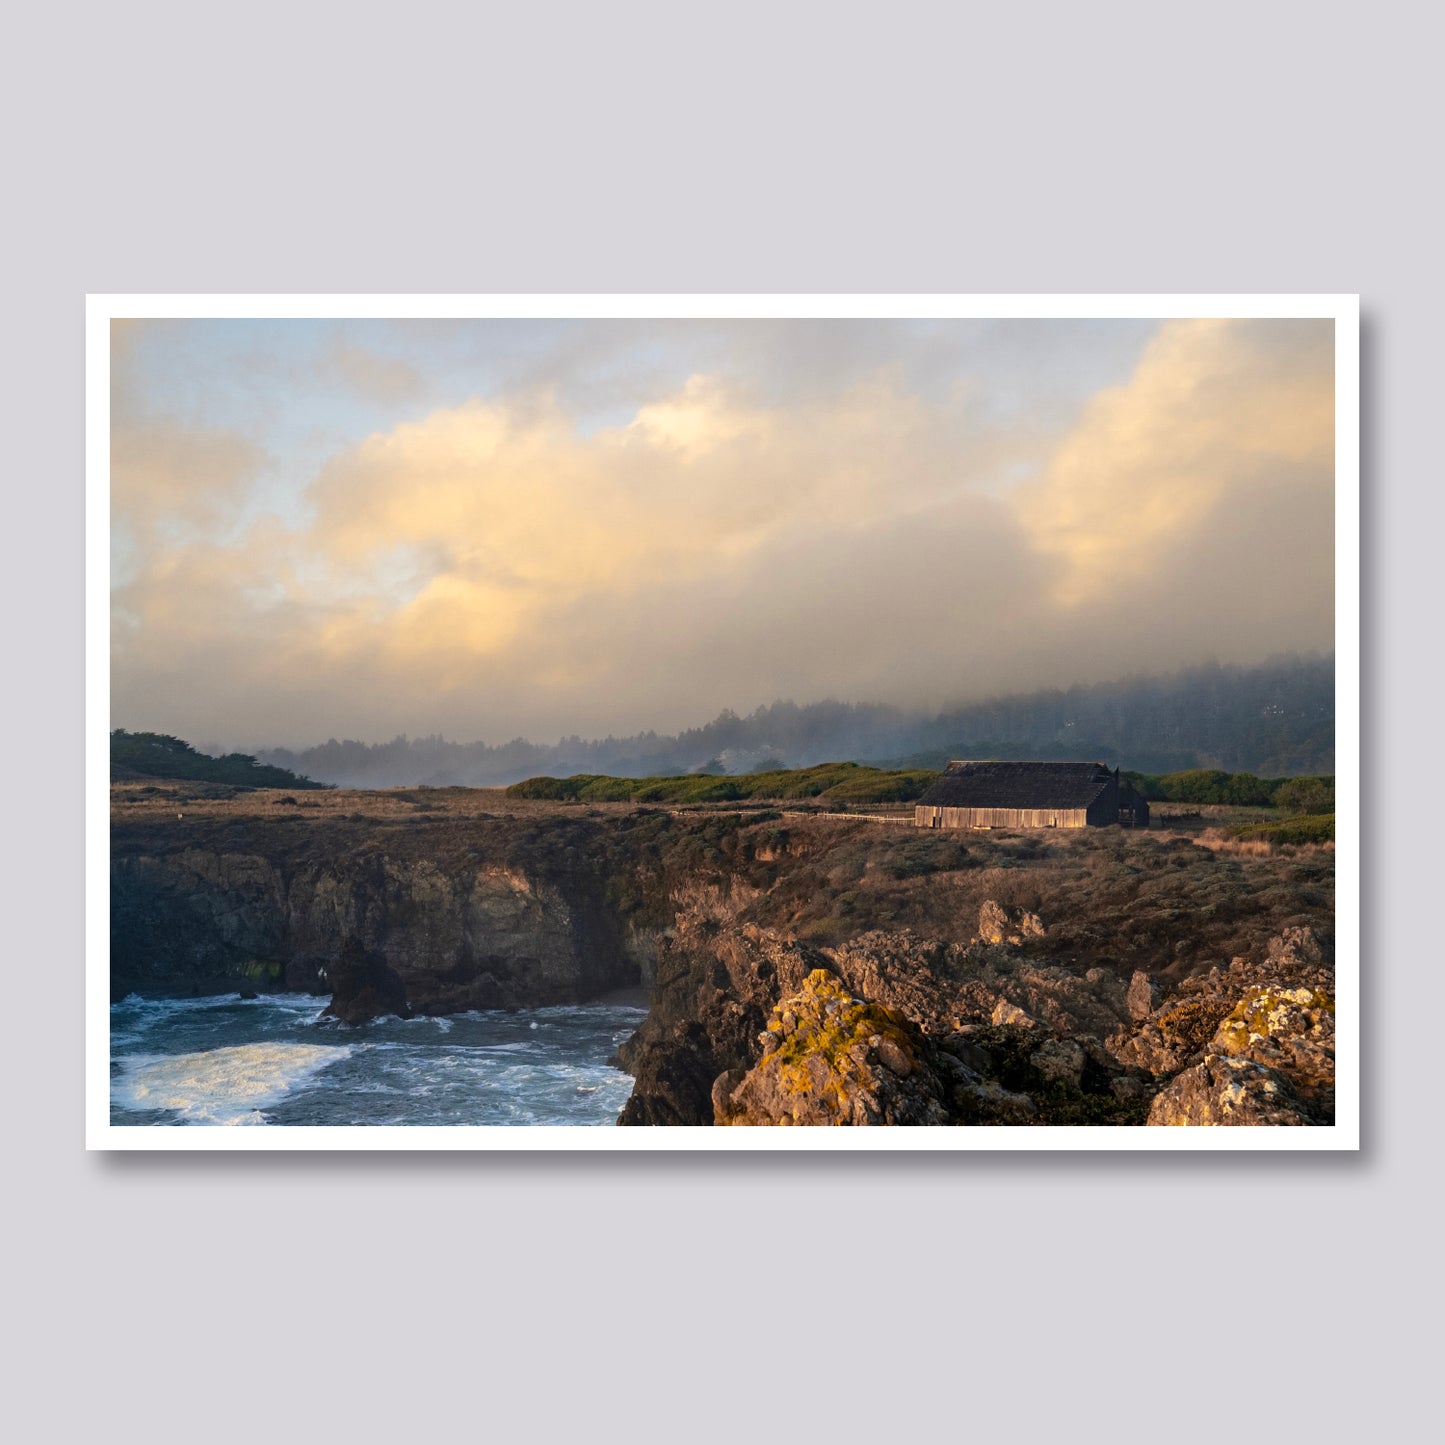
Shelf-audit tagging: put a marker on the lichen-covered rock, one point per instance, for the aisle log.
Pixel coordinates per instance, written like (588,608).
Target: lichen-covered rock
(1274,1013)
(833,1059)
(1223,1091)
(1291,1030)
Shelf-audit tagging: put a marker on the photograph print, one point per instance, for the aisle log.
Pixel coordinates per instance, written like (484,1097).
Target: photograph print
(550,719)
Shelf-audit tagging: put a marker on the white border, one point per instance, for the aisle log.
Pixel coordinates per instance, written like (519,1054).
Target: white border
(1343,309)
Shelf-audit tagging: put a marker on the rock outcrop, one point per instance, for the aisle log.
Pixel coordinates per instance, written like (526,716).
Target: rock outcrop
(980,1034)
(716,987)
(1249,1044)
(365,986)
(750,1027)
(997,924)
(830,1058)
(1225,1091)
(1140,999)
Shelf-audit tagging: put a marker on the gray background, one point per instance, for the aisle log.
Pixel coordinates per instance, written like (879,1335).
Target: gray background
(768,148)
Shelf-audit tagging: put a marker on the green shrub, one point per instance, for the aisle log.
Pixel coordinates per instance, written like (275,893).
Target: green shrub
(1317,829)
(1313,796)
(1240,790)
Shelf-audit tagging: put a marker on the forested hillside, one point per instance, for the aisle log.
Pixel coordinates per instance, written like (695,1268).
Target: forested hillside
(1274,720)
(159,755)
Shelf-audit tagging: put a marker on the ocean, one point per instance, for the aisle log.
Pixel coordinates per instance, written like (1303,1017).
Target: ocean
(274,1061)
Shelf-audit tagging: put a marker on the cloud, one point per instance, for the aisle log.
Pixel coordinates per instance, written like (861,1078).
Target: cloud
(371,374)
(1215,411)
(493,568)
(165,477)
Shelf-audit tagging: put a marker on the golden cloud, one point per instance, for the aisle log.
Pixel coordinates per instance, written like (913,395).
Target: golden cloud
(1214,409)
(491,569)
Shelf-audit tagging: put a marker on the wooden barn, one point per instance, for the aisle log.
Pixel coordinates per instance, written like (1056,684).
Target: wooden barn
(1031,795)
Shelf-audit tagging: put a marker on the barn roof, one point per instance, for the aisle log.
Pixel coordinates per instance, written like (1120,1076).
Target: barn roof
(1018,785)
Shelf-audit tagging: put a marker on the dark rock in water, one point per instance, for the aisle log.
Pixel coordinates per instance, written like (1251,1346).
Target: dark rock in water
(247,994)
(365,986)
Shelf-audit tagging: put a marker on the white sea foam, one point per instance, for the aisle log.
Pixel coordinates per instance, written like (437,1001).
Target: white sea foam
(221,1086)
(435,1022)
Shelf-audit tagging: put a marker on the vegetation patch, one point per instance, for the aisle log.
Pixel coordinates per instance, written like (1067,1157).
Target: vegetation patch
(158,755)
(1299,831)
(835,783)
(1240,790)
(926,854)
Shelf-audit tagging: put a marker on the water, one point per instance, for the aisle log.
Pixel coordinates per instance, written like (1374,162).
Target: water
(272,1060)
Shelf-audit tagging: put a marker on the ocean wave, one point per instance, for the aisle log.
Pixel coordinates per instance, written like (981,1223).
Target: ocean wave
(143,1012)
(221,1086)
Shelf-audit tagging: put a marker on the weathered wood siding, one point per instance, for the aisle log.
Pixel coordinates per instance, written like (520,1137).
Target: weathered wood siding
(1001,817)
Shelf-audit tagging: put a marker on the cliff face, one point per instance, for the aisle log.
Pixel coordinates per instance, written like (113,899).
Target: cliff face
(457,929)
(802,970)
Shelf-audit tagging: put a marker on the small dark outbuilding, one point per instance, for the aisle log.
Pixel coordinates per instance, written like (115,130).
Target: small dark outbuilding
(1031,795)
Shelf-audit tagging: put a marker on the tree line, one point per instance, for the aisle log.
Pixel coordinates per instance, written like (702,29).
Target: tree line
(159,755)
(1275,720)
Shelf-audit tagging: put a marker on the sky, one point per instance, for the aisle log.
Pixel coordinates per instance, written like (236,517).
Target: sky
(499,529)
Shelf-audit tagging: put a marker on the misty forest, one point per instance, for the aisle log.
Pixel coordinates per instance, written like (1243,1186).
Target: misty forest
(1274,720)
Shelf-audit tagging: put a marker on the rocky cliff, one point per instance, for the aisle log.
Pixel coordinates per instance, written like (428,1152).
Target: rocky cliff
(421,921)
(802,970)
(749,1028)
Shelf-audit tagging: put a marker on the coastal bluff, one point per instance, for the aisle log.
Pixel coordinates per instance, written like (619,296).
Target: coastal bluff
(801,968)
